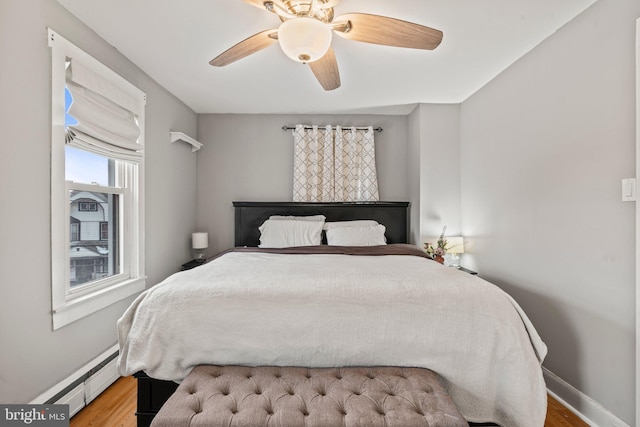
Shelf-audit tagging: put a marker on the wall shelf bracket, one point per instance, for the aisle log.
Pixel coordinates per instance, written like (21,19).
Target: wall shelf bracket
(179,136)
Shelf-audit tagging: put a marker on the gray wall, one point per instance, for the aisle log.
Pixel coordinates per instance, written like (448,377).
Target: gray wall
(414,149)
(434,171)
(543,150)
(33,358)
(250,158)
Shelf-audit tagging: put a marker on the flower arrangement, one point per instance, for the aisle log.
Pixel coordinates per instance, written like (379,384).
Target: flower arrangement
(437,252)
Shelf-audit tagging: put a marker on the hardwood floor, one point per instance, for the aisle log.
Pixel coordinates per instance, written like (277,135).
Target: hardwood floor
(559,416)
(117,405)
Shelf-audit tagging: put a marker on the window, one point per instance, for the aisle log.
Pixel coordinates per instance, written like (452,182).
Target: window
(104,231)
(88,207)
(97,184)
(98,241)
(75,230)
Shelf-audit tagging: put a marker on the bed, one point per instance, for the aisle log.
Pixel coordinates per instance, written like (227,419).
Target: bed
(327,305)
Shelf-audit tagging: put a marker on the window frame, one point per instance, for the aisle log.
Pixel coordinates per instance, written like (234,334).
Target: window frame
(69,305)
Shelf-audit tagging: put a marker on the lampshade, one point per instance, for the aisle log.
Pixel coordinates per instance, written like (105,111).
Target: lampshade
(304,39)
(455,245)
(200,240)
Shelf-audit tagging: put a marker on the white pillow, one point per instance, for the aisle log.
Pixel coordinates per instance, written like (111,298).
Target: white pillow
(355,223)
(283,234)
(298,218)
(369,235)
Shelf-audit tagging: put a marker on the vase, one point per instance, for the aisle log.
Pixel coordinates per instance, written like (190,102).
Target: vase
(440,259)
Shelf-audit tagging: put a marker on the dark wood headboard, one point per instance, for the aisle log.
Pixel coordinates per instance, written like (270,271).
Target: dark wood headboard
(250,215)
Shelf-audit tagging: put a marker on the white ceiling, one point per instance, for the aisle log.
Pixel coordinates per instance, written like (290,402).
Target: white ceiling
(173,41)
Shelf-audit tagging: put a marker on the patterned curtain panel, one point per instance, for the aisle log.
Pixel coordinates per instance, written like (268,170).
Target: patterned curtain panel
(334,166)
(355,165)
(313,164)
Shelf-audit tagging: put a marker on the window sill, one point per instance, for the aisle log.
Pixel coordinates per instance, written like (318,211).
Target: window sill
(81,307)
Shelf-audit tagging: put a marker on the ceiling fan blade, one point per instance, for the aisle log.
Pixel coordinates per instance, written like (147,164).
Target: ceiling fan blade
(387,31)
(326,70)
(245,48)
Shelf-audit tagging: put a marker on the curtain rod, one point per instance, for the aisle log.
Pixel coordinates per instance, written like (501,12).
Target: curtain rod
(286,128)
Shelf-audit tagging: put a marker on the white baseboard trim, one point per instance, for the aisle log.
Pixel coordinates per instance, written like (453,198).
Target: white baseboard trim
(591,412)
(89,387)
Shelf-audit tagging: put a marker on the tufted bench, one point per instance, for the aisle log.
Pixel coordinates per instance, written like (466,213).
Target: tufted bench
(310,397)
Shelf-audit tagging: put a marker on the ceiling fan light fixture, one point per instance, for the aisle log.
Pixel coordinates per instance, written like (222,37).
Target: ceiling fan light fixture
(304,39)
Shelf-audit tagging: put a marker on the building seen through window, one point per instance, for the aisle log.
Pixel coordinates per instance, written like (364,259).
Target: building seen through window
(93,236)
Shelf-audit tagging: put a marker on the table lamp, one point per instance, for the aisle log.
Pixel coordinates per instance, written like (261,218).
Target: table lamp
(455,247)
(199,243)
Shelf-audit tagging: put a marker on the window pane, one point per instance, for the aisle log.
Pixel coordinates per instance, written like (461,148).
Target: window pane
(85,167)
(68,118)
(94,236)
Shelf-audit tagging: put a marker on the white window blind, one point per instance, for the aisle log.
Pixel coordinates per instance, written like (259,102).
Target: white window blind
(106,123)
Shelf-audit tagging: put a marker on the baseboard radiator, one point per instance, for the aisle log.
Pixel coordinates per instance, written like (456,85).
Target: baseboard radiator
(84,385)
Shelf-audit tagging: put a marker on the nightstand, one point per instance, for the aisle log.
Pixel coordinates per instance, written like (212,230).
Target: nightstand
(466,270)
(191,264)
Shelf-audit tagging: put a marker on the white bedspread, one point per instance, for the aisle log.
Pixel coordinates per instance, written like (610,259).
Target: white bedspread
(344,310)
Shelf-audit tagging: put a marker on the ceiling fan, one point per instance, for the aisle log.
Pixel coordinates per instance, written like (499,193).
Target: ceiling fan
(306,31)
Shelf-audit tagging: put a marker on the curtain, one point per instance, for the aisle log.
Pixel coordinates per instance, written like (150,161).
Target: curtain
(334,165)
(313,164)
(355,165)
(106,124)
